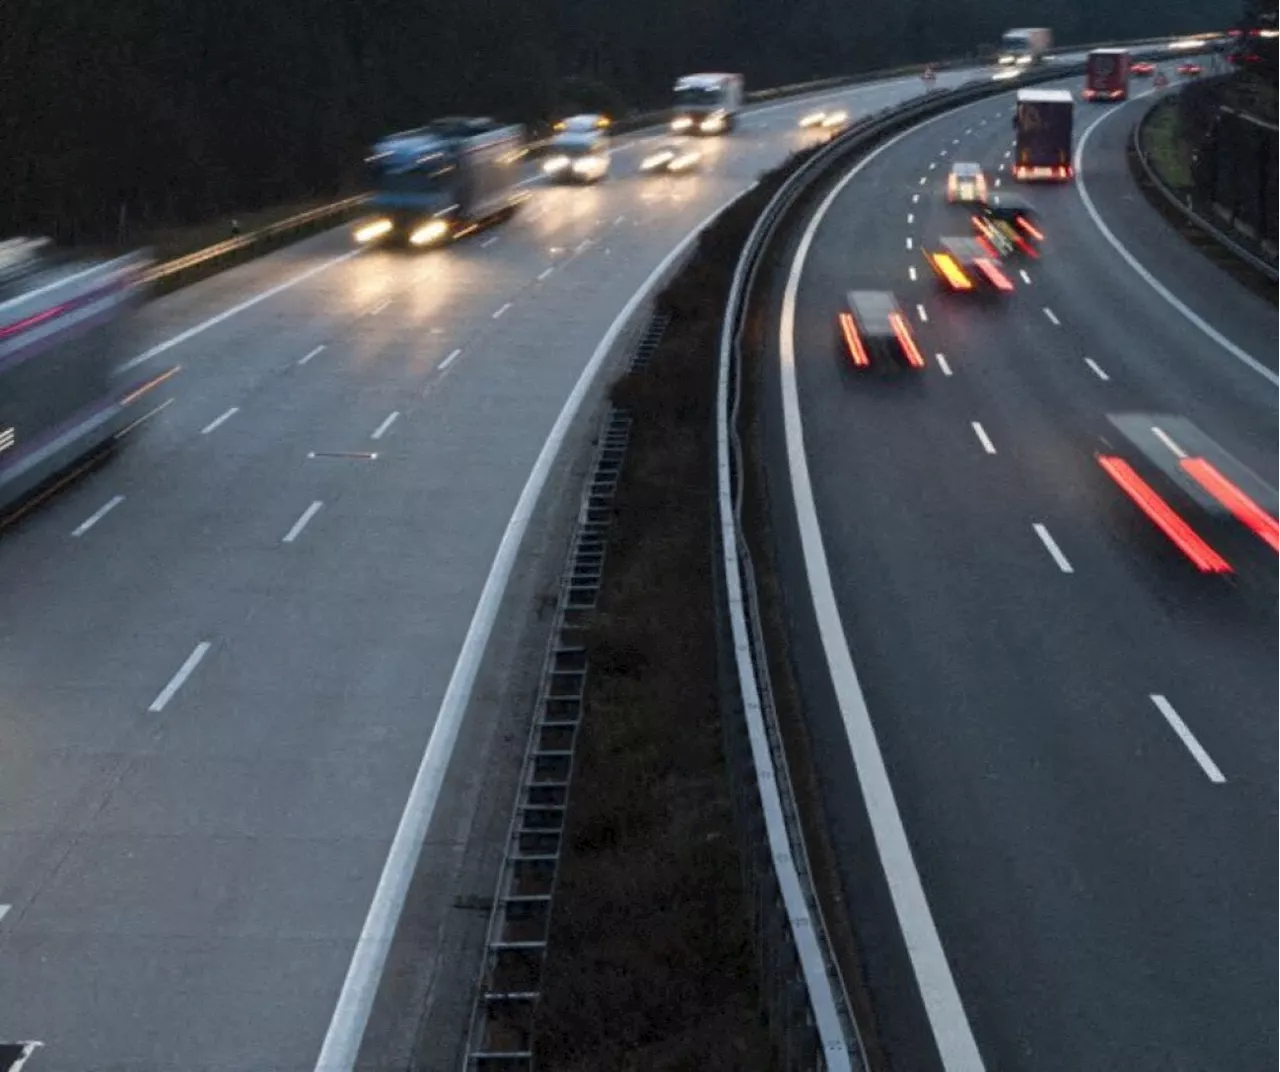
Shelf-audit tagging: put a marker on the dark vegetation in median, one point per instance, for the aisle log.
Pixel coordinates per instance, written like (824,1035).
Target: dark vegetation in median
(651,964)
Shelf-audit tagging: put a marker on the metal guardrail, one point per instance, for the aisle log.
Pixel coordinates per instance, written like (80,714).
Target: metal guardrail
(1186,209)
(804,992)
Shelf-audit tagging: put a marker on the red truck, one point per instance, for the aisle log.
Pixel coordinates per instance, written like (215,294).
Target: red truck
(1106,76)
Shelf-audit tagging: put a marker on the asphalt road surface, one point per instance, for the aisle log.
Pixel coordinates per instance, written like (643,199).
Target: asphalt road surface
(1077,727)
(223,653)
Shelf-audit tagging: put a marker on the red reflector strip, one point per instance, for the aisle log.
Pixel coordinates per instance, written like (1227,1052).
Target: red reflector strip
(1163,516)
(914,358)
(857,351)
(985,244)
(1242,508)
(997,277)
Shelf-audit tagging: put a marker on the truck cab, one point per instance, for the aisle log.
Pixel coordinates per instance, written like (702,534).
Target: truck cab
(707,103)
(1106,76)
(1024,47)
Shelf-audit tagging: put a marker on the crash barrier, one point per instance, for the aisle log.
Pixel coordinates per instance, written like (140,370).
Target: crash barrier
(171,275)
(183,271)
(803,992)
(1233,194)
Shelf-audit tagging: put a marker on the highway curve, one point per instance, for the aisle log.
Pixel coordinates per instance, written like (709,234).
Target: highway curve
(222,657)
(1078,728)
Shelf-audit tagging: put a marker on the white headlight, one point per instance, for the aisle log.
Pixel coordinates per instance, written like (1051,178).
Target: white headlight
(682,123)
(554,164)
(429,232)
(373,230)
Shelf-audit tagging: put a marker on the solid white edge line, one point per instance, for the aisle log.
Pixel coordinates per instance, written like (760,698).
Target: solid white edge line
(942,363)
(97,515)
(453,356)
(1097,369)
(381,430)
(1188,738)
(1207,329)
(355,1001)
(1051,545)
(301,523)
(217,422)
(307,357)
(184,671)
(248,303)
(983,438)
(952,1032)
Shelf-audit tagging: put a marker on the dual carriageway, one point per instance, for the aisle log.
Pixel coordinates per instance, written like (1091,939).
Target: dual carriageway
(226,651)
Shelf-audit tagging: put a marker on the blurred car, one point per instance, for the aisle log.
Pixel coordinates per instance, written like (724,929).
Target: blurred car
(1142,68)
(1190,69)
(577,156)
(873,326)
(966,183)
(829,120)
(673,158)
(590,121)
(968,265)
(1010,225)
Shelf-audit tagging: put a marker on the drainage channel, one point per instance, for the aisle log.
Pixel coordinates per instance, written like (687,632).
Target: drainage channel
(502,1024)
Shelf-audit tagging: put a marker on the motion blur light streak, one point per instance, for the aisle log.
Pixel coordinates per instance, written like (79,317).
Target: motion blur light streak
(1242,508)
(1165,518)
(908,344)
(857,351)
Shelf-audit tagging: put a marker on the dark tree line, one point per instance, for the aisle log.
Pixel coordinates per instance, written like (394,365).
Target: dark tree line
(176,110)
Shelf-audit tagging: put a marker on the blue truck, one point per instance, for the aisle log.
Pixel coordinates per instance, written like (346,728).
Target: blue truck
(440,181)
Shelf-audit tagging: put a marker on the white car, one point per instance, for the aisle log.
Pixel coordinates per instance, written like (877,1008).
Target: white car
(966,184)
(577,156)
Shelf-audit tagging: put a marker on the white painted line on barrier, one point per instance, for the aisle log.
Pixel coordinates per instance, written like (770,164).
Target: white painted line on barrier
(382,429)
(97,515)
(1097,369)
(179,679)
(952,1032)
(218,422)
(1188,738)
(301,523)
(1052,547)
(1203,326)
(308,356)
(235,310)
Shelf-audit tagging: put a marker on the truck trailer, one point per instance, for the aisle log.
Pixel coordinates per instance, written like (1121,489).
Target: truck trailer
(1024,47)
(1042,122)
(1106,75)
(441,181)
(66,390)
(707,103)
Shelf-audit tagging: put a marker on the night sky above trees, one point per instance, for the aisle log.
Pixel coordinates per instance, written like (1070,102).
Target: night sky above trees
(183,109)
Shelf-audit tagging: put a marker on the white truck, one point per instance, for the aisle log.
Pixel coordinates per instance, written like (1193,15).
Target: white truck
(1024,47)
(706,103)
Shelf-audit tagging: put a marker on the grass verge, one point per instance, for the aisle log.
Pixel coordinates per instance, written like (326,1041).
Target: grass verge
(1166,147)
(651,963)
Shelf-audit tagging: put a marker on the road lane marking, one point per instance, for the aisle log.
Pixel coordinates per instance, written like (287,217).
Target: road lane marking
(911,218)
(179,679)
(915,199)
(307,357)
(997,182)
(922,313)
(1053,548)
(235,310)
(942,364)
(1025,278)
(450,359)
(983,438)
(217,422)
(1000,168)
(911,271)
(1168,441)
(364,971)
(923,179)
(4,911)
(932,164)
(97,515)
(502,309)
(952,1033)
(1188,738)
(1052,319)
(1082,186)
(381,430)
(619,219)
(1097,369)
(301,523)
(379,307)
(956,141)
(544,273)
(488,241)
(908,241)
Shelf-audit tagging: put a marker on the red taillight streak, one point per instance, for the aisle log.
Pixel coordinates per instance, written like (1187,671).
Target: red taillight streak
(1026,225)
(1242,508)
(1163,516)
(32,321)
(994,274)
(991,250)
(908,344)
(857,351)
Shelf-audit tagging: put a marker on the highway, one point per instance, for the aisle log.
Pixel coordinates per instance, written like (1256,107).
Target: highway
(223,653)
(1057,737)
